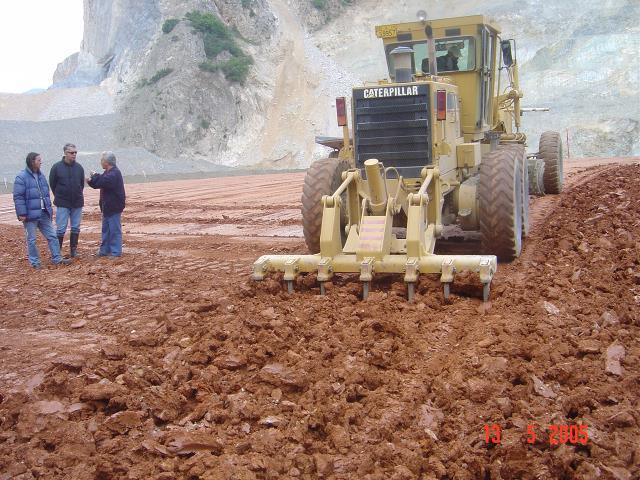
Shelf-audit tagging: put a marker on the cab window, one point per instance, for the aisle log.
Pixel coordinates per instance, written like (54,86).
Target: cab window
(455,54)
(452,54)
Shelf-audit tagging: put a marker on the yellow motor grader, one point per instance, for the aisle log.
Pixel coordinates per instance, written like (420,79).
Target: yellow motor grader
(434,151)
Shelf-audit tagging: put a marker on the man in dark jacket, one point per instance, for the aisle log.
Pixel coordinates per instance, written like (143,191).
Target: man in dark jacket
(112,199)
(449,62)
(67,184)
(33,209)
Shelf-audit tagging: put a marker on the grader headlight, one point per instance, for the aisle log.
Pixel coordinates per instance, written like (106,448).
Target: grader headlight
(441,103)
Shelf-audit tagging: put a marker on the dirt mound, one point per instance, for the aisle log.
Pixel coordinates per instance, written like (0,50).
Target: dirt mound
(171,363)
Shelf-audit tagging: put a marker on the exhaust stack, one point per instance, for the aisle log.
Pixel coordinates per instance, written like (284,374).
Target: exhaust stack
(402,64)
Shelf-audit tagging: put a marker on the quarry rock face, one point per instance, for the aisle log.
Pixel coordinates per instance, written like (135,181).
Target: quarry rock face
(588,74)
(116,36)
(65,70)
(190,112)
(581,63)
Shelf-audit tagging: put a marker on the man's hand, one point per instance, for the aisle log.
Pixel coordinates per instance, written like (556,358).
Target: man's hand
(22,218)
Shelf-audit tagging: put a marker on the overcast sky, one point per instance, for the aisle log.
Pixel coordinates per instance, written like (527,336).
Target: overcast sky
(35,36)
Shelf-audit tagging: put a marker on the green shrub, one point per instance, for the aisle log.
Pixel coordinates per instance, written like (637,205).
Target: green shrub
(320,4)
(217,38)
(204,123)
(207,23)
(236,69)
(169,25)
(213,45)
(209,66)
(246,4)
(160,74)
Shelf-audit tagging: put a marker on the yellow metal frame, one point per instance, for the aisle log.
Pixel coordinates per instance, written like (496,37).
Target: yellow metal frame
(371,247)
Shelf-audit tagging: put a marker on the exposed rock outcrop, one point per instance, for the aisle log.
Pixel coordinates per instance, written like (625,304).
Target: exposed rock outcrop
(116,37)
(191,112)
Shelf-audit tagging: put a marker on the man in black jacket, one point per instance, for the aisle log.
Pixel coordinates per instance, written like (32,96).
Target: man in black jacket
(449,62)
(112,200)
(66,179)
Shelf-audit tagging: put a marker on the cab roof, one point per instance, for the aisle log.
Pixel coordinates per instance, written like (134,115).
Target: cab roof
(393,29)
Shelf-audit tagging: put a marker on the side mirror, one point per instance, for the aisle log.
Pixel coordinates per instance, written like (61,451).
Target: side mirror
(507,56)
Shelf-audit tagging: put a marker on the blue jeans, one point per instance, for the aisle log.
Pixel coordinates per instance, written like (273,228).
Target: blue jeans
(46,228)
(111,236)
(62,219)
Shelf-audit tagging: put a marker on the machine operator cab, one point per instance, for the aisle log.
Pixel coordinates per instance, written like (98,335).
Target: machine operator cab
(465,51)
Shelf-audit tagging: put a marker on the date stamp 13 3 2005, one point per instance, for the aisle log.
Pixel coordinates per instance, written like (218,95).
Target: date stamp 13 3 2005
(557,434)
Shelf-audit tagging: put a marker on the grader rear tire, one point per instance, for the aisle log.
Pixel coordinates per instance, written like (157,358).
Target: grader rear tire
(550,150)
(521,156)
(500,193)
(323,178)
(536,176)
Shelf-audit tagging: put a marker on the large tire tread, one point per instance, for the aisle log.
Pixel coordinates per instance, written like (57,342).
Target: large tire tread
(550,150)
(500,203)
(323,178)
(521,157)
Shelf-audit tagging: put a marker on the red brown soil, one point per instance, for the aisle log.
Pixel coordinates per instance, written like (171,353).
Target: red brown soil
(171,363)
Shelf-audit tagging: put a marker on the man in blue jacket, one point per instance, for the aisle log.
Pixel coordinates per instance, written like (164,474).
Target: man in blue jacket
(67,184)
(112,200)
(33,209)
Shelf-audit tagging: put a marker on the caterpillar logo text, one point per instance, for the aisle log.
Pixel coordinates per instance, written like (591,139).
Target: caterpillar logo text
(390,92)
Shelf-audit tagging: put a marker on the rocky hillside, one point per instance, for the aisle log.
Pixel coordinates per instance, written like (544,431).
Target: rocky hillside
(251,82)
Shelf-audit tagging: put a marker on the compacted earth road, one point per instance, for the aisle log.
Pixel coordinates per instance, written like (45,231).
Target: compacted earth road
(170,362)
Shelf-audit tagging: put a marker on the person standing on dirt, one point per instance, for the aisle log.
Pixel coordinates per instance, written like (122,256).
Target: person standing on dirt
(34,210)
(112,202)
(67,184)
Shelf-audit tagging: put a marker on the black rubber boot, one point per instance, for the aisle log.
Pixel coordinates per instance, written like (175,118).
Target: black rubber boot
(73,242)
(61,240)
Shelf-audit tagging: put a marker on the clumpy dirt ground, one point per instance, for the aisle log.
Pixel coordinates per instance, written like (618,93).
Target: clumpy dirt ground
(171,363)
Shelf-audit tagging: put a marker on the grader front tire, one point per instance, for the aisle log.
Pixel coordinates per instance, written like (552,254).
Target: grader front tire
(501,203)
(550,150)
(323,178)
